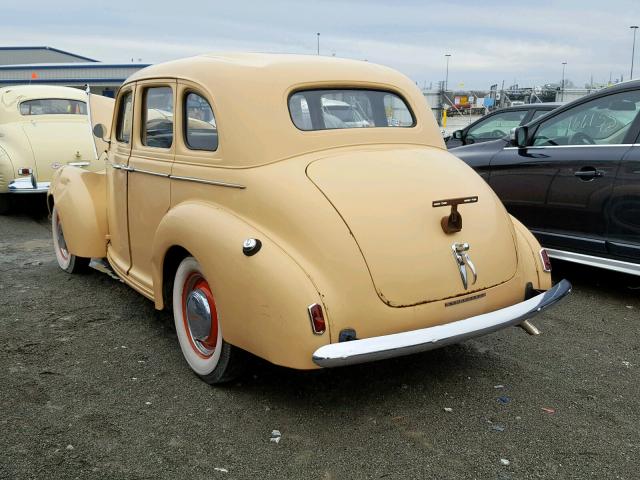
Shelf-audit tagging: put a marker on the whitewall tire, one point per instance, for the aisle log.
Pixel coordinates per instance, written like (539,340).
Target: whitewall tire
(66,261)
(198,326)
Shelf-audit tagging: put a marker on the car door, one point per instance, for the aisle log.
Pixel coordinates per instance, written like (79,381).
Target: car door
(494,126)
(117,179)
(152,156)
(560,184)
(199,156)
(623,212)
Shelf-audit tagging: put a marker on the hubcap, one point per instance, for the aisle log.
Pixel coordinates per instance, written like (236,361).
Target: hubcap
(200,315)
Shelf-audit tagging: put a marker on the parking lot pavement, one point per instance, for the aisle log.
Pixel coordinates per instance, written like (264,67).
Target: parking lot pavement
(94,386)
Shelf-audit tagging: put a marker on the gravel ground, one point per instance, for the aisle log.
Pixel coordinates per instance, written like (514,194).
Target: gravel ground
(94,386)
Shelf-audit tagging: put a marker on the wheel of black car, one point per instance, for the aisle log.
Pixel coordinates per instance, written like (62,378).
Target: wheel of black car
(198,327)
(5,203)
(67,261)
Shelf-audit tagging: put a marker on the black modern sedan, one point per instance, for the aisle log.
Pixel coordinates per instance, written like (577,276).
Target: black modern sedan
(498,123)
(573,177)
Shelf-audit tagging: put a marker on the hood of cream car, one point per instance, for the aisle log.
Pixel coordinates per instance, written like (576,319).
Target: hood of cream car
(386,199)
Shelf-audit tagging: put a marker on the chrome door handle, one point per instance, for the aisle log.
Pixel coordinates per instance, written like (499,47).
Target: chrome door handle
(122,166)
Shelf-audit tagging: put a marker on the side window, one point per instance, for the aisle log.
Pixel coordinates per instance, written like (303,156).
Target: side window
(497,126)
(537,114)
(157,117)
(200,130)
(125,117)
(603,121)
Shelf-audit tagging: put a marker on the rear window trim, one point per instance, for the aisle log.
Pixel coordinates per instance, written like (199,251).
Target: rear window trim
(186,92)
(366,89)
(49,98)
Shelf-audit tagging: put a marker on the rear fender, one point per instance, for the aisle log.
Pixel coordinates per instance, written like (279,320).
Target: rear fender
(529,260)
(80,198)
(261,299)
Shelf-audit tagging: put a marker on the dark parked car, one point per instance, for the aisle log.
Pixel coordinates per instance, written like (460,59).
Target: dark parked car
(573,178)
(498,123)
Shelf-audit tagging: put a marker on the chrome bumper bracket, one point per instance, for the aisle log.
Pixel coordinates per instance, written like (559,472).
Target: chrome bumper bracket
(27,185)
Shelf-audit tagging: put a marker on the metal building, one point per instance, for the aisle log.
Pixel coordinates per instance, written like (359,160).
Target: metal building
(47,65)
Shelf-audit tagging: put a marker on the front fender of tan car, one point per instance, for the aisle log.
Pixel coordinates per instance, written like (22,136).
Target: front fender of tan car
(262,299)
(80,200)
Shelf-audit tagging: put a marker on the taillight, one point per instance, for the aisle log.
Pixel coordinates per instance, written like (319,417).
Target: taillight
(24,171)
(317,319)
(546,261)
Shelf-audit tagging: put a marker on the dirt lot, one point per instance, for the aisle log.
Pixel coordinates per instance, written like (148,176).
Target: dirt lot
(93,385)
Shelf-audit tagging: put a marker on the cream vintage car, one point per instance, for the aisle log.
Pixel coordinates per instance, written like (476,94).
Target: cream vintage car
(43,127)
(232,199)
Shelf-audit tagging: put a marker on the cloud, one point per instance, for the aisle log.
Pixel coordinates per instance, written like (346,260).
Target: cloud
(489,42)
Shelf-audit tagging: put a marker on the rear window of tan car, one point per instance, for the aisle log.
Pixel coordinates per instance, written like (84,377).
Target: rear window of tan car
(53,106)
(348,108)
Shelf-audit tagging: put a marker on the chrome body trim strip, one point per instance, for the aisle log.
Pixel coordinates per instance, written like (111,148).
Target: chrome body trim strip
(537,147)
(208,182)
(24,185)
(598,262)
(405,343)
(148,172)
(79,164)
(122,166)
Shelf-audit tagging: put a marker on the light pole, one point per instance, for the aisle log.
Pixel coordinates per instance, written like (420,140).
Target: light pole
(564,64)
(633,49)
(446,78)
(318,37)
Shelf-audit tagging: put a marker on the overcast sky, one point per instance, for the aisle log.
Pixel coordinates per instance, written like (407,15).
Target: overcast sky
(490,41)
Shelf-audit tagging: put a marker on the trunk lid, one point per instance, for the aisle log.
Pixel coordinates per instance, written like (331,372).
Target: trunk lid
(58,142)
(386,199)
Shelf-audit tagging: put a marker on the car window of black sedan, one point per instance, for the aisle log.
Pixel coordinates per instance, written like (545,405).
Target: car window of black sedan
(537,114)
(602,121)
(497,126)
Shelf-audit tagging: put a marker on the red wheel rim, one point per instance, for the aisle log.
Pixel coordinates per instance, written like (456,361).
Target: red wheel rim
(199,315)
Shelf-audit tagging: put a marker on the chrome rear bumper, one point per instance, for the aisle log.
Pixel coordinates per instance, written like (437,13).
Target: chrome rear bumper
(405,343)
(27,185)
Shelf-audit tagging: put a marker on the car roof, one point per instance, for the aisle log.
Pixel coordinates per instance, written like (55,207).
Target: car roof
(31,92)
(249,93)
(529,106)
(11,97)
(618,87)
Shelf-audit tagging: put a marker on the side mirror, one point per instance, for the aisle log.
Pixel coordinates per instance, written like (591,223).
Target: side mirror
(457,134)
(99,130)
(519,136)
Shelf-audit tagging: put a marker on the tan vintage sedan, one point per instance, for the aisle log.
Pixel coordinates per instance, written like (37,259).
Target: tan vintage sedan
(42,128)
(306,235)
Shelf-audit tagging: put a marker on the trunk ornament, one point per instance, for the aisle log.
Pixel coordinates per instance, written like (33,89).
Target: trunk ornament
(453,222)
(463,261)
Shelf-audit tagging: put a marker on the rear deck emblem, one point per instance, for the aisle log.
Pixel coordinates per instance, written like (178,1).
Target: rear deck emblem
(463,261)
(453,222)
